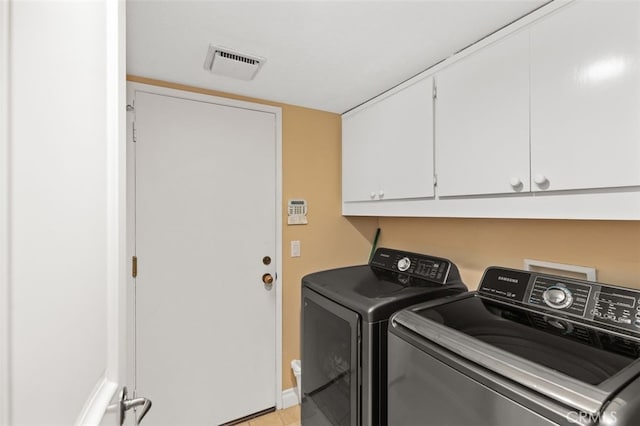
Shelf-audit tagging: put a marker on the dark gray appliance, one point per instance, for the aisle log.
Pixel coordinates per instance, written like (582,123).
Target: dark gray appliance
(525,349)
(345,313)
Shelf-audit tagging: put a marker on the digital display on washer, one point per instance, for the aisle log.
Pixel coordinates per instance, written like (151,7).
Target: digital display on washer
(615,299)
(617,307)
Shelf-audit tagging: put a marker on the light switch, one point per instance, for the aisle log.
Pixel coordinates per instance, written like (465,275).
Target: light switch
(295,248)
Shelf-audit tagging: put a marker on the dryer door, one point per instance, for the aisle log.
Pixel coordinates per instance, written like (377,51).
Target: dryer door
(330,362)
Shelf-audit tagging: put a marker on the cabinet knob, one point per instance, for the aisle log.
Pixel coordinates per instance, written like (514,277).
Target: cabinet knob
(381,194)
(515,182)
(372,195)
(540,180)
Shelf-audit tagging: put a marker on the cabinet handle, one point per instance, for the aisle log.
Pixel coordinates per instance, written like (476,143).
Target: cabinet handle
(540,180)
(515,183)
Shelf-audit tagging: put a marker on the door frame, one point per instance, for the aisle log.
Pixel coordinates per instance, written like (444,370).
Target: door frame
(114,377)
(132,88)
(5,384)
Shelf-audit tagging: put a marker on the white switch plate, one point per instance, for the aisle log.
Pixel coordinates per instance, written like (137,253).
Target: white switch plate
(295,248)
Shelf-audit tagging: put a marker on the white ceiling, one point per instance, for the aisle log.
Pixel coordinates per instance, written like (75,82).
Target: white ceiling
(327,55)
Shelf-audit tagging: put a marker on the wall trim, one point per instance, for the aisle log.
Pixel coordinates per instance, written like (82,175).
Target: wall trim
(5,170)
(159,87)
(289,398)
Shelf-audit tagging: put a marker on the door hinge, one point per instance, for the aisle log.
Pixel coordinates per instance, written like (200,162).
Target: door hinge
(435,179)
(130,108)
(134,266)
(435,92)
(135,138)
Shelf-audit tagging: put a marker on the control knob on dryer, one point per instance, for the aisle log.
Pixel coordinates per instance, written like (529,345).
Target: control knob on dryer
(404,264)
(557,297)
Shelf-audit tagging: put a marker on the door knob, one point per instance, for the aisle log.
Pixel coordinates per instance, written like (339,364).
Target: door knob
(267,279)
(125,404)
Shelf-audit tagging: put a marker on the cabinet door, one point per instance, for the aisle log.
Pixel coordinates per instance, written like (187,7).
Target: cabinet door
(406,132)
(482,121)
(387,148)
(585,96)
(361,154)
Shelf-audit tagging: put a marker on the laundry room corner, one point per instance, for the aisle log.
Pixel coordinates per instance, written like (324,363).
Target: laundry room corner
(312,171)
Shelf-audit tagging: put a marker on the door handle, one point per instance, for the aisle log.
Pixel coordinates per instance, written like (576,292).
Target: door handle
(125,404)
(137,402)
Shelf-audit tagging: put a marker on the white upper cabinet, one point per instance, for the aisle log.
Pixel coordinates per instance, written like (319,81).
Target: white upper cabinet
(387,147)
(539,120)
(482,121)
(585,97)
(360,155)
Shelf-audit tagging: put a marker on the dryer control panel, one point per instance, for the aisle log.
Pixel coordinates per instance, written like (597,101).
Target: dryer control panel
(600,303)
(430,268)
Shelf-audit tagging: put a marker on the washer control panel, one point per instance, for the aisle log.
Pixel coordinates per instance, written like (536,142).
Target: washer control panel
(403,264)
(617,306)
(558,297)
(416,265)
(602,304)
(556,293)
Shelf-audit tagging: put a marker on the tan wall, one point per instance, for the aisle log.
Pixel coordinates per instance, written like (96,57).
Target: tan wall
(612,247)
(311,151)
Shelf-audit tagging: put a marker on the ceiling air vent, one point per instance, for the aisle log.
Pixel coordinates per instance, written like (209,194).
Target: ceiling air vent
(223,61)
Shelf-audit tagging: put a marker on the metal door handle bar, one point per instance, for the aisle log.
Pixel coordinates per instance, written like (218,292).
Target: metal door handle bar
(127,404)
(137,402)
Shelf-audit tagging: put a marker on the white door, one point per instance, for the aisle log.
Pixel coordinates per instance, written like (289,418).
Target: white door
(62,211)
(205,238)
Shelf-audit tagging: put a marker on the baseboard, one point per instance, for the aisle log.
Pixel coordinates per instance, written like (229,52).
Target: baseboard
(289,397)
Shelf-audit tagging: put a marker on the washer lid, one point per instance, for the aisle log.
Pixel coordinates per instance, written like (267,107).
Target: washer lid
(580,366)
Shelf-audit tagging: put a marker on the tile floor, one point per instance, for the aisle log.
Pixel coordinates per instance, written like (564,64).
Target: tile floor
(287,417)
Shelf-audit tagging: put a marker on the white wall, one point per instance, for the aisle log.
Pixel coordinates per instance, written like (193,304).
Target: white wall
(59,257)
